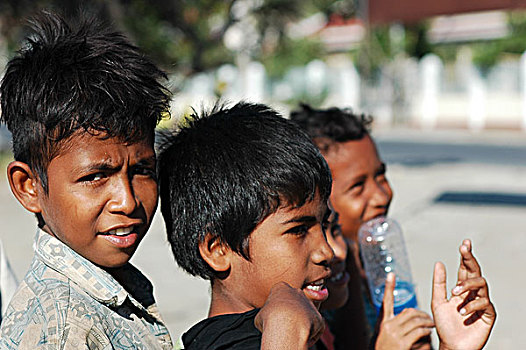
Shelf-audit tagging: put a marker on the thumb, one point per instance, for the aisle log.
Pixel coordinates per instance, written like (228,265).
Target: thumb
(388,302)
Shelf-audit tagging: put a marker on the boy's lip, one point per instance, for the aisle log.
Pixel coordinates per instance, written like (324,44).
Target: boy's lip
(377,215)
(122,241)
(317,290)
(122,230)
(121,236)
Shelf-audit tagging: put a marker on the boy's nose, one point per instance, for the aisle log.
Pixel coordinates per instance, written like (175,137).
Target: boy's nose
(382,195)
(324,254)
(123,199)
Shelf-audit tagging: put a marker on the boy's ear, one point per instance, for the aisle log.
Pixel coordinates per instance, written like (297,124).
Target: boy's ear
(24,185)
(216,253)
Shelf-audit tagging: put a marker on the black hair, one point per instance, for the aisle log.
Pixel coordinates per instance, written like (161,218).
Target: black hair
(225,172)
(333,125)
(81,77)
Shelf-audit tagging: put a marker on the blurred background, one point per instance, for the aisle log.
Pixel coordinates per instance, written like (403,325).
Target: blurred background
(444,80)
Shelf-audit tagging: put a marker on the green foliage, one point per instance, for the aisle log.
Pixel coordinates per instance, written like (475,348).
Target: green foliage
(289,54)
(185,35)
(416,43)
(162,44)
(487,54)
(446,52)
(373,52)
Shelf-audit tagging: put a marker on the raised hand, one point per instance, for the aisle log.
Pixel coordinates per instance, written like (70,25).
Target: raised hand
(466,319)
(405,330)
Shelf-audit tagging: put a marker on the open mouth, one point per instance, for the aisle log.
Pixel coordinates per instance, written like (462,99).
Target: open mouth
(316,291)
(121,231)
(122,237)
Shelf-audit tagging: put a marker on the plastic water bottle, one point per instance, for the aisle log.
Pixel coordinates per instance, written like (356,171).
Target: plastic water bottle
(383,250)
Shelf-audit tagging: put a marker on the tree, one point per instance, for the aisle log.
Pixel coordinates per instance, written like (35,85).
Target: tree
(186,36)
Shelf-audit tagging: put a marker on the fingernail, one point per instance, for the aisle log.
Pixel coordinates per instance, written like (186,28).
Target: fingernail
(462,311)
(457,290)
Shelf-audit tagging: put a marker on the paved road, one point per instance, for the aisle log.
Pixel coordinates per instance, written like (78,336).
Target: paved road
(422,168)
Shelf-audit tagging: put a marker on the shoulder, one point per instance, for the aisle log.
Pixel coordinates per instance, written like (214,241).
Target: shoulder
(232,331)
(46,309)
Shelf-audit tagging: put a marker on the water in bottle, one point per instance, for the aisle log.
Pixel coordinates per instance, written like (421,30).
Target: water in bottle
(383,250)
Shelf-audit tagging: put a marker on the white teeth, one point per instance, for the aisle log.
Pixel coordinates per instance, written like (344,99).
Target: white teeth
(314,288)
(121,231)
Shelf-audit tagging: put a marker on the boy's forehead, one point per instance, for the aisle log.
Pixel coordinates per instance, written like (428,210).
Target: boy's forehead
(353,153)
(316,206)
(86,138)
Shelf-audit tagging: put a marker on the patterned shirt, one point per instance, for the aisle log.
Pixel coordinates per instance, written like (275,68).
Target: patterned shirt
(8,282)
(66,302)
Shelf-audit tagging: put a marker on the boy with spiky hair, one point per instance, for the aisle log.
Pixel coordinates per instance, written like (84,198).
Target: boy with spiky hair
(244,198)
(82,104)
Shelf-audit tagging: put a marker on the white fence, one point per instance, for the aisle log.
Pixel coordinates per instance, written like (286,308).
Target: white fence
(425,94)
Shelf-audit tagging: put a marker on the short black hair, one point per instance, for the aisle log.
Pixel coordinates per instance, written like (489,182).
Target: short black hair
(78,77)
(226,171)
(333,125)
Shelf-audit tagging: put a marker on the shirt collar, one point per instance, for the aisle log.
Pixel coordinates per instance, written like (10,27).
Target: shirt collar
(95,281)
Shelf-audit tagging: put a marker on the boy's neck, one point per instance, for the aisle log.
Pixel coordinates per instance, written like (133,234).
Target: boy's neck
(224,301)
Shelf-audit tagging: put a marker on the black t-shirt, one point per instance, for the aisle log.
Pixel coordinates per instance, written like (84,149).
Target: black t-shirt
(232,331)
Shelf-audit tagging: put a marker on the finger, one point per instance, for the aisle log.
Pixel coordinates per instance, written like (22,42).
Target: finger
(415,323)
(477,284)
(439,292)
(408,316)
(388,302)
(415,335)
(469,266)
(475,305)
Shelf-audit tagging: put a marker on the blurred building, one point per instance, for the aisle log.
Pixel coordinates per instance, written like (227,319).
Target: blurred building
(388,11)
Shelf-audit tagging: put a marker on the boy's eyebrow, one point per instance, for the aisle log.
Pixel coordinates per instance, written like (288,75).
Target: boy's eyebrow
(107,165)
(149,161)
(304,219)
(104,165)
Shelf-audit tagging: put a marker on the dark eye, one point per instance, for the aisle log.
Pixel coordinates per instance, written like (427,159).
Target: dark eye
(357,187)
(299,230)
(93,177)
(145,171)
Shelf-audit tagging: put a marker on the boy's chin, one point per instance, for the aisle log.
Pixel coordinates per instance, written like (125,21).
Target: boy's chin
(112,266)
(115,263)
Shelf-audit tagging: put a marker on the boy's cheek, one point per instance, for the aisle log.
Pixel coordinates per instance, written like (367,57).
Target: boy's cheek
(147,191)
